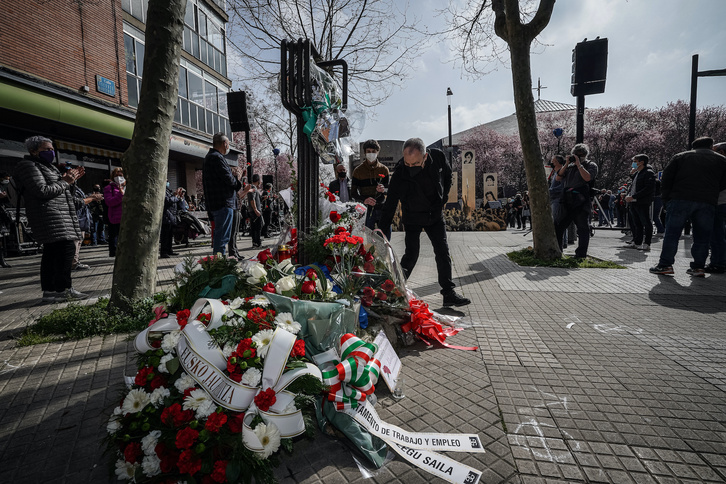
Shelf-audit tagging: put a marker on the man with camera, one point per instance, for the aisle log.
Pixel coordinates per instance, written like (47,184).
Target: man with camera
(578,176)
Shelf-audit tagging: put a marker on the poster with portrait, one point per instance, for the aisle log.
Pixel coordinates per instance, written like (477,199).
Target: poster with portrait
(491,187)
(468,178)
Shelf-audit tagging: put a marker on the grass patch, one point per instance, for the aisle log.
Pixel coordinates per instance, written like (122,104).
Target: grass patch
(525,257)
(77,321)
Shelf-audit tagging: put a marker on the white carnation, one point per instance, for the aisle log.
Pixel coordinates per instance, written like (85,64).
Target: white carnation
(113,425)
(206,409)
(170,341)
(185,381)
(251,377)
(125,471)
(285,321)
(151,465)
(148,443)
(285,284)
(262,340)
(157,396)
(135,401)
(236,303)
(118,410)
(228,350)
(162,362)
(255,273)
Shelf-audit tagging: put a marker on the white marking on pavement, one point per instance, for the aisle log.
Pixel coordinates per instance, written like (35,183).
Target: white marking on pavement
(543,450)
(606,328)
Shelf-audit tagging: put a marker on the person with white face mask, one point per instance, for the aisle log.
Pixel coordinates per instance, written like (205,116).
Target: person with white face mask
(113,195)
(370,184)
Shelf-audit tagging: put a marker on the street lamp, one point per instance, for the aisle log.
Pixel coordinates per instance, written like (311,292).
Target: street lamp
(276,152)
(448,100)
(558,134)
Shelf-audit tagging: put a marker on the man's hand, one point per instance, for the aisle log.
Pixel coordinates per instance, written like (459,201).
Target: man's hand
(257,212)
(370,201)
(380,188)
(69,177)
(629,198)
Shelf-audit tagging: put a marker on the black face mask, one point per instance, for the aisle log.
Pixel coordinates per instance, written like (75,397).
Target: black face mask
(341,174)
(414,170)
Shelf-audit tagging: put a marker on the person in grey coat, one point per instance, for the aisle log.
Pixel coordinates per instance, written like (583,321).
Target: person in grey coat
(51,213)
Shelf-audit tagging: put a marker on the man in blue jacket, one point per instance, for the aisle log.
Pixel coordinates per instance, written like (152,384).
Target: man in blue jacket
(220,187)
(421,182)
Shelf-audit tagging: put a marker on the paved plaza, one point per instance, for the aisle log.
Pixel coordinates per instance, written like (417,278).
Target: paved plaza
(582,375)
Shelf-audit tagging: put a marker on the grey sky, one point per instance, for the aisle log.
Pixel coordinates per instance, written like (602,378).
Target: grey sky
(650,47)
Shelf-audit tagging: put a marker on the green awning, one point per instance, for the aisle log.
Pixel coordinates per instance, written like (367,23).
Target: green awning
(25,100)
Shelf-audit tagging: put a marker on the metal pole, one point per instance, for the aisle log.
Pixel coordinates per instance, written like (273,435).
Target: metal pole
(580,136)
(248,146)
(694,89)
(450,147)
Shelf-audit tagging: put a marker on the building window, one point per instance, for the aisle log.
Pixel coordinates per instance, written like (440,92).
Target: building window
(137,8)
(134,68)
(204,37)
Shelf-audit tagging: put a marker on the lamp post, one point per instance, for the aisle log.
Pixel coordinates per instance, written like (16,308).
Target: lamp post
(276,152)
(448,100)
(558,134)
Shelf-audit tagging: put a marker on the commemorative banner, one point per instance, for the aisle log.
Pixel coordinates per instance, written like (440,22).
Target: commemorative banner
(420,448)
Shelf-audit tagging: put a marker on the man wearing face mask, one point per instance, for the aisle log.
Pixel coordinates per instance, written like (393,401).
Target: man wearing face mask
(421,182)
(51,214)
(369,185)
(220,187)
(341,185)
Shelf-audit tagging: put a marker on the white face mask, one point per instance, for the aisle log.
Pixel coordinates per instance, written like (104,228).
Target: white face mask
(119,180)
(371,157)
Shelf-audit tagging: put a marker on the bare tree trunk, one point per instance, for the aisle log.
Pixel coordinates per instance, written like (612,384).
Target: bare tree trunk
(145,162)
(543,227)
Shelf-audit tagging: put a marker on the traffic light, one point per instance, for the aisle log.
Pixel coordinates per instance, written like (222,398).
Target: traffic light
(589,67)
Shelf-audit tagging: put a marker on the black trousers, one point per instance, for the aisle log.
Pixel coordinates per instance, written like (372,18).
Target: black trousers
(256,230)
(55,265)
(437,236)
(232,245)
(642,224)
(581,216)
(113,230)
(166,238)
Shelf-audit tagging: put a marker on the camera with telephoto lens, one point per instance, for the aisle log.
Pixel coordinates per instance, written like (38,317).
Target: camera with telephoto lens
(571,158)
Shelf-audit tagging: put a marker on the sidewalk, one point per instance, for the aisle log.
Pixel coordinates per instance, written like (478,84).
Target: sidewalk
(582,375)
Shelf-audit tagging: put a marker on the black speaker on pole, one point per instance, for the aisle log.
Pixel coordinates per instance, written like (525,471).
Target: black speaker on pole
(237,110)
(589,67)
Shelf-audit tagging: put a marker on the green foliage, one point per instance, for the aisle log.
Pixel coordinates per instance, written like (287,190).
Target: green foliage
(313,243)
(77,321)
(192,281)
(525,257)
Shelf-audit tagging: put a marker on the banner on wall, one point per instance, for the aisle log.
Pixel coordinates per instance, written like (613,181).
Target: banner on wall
(491,187)
(468,178)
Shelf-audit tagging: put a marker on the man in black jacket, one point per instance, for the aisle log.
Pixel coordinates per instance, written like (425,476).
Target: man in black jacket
(640,199)
(421,182)
(690,186)
(220,186)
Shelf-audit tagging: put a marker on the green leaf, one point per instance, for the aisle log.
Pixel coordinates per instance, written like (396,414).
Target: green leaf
(173,365)
(233,471)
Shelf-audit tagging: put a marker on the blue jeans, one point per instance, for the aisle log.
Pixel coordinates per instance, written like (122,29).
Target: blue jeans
(701,215)
(222,229)
(718,238)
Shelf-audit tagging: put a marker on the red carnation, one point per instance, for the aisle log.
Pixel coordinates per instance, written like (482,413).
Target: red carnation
(339,230)
(269,287)
(382,295)
(388,285)
(169,457)
(298,349)
(265,399)
(369,267)
(174,415)
(234,422)
(244,347)
(219,473)
(158,382)
(215,422)
(144,376)
(308,287)
(189,463)
(132,452)
(331,197)
(334,217)
(182,317)
(186,437)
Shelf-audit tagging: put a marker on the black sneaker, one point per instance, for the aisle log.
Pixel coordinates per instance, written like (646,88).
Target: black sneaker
(453,299)
(666,270)
(714,270)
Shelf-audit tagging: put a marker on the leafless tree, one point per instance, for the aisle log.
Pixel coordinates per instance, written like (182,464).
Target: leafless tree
(474,28)
(378,39)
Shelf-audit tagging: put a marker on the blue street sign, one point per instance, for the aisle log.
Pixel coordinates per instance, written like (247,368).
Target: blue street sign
(105,86)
